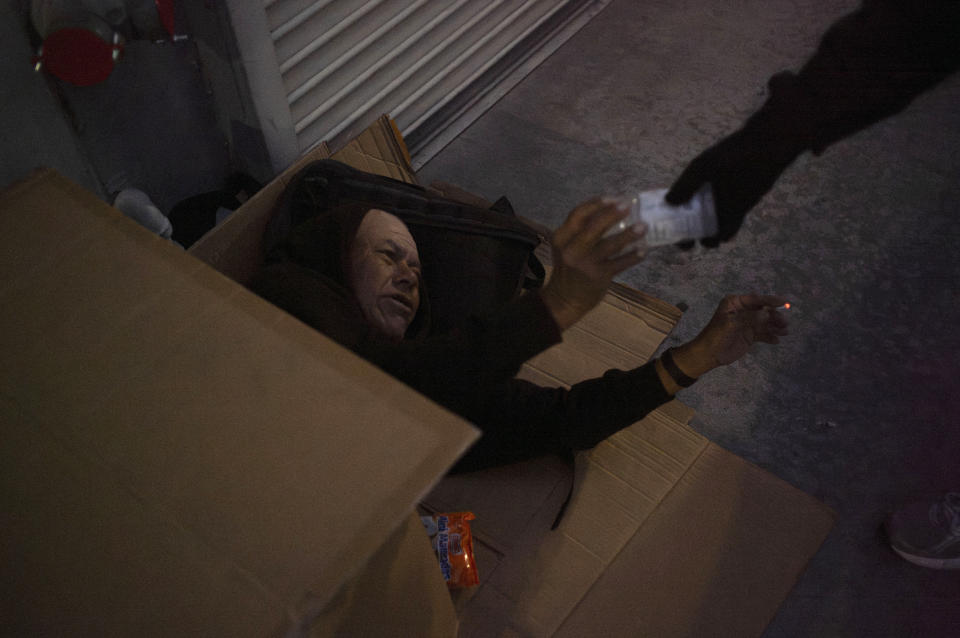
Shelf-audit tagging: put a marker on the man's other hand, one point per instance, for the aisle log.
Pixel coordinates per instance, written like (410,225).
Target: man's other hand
(738,322)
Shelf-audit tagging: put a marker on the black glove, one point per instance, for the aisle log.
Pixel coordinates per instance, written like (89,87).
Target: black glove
(741,169)
(869,65)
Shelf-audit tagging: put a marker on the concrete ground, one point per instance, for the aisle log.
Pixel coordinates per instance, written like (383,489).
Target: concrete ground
(859,406)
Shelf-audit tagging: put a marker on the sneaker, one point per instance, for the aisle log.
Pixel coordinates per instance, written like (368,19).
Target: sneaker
(928,535)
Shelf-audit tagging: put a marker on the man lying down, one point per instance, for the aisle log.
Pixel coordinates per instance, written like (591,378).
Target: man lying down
(355,275)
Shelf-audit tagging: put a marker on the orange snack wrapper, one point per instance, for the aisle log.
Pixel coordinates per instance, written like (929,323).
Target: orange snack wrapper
(453,542)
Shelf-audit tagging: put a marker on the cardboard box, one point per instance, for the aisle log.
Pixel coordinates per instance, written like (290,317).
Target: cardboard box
(666,533)
(182,458)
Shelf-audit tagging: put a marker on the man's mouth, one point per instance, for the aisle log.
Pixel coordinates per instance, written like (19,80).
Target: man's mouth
(400,300)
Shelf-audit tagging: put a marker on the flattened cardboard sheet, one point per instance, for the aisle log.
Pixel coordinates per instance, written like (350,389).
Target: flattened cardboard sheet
(177,424)
(715,558)
(616,549)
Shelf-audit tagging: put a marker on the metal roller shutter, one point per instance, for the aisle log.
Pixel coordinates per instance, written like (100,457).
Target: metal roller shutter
(342,63)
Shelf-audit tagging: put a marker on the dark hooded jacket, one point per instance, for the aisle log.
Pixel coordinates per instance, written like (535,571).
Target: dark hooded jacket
(470,370)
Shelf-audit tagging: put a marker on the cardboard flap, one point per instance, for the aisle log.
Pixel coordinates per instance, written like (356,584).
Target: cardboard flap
(401,591)
(380,150)
(283,458)
(235,247)
(716,558)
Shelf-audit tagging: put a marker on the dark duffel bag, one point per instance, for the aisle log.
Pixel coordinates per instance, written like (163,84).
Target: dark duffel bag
(474,259)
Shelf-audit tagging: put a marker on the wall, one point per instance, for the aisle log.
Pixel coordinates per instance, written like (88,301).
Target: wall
(34,130)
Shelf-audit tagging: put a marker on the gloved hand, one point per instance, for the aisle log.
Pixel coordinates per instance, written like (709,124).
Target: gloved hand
(745,165)
(741,169)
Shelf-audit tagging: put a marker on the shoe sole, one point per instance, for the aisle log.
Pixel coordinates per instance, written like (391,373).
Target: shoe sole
(932,563)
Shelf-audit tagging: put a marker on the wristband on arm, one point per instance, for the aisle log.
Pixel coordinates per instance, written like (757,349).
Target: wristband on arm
(675,373)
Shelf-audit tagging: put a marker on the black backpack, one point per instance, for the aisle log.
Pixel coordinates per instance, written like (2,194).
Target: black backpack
(474,259)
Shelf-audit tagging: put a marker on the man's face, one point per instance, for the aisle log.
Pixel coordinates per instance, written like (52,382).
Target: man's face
(385,273)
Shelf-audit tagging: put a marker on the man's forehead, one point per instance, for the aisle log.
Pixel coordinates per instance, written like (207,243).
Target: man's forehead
(380,226)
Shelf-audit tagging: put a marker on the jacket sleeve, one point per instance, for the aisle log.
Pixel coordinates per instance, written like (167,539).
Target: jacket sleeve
(869,65)
(523,420)
(455,368)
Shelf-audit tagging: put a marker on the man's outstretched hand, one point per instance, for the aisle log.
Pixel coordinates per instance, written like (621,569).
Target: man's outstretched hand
(585,261)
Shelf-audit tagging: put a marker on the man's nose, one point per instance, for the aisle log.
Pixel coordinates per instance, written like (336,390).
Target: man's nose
(404,274)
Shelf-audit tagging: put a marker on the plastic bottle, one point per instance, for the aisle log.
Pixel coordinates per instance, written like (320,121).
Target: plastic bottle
(137,205)
(668,224)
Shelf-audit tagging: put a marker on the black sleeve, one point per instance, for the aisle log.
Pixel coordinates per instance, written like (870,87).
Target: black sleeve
(454,368)
(313,299)
(523,420)
(869,65)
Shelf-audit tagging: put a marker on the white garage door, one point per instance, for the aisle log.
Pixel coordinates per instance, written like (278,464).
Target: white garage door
(429,64)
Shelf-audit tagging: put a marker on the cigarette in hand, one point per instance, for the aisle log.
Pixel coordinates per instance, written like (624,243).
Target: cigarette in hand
(785,306)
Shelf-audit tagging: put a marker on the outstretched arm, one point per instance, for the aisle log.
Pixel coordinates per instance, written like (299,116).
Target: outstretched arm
(738,323)
(522,420)
(870,65)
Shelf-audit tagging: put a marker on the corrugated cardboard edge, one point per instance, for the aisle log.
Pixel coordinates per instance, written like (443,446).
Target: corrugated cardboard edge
(379,149)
